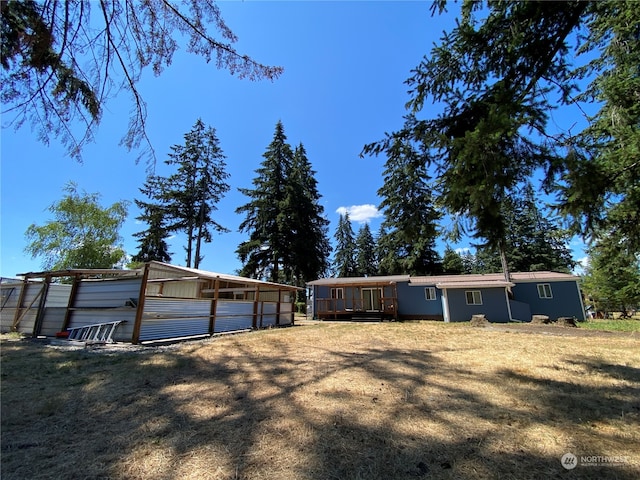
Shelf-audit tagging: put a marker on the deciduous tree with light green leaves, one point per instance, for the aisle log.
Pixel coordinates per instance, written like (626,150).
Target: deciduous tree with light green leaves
(82,233)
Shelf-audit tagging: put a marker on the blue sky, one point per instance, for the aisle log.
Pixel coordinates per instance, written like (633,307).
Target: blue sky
(345,64)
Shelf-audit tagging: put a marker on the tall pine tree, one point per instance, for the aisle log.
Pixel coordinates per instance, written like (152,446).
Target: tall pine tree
(366,261)
(612,277)
(495,78)
(452,262)
(270,241)
(344,260)
(533,242)
(152,242)
(287,231)
(410,218)
(187,198)
(307,226)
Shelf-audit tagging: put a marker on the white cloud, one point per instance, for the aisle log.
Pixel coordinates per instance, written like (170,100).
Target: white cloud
(360,213)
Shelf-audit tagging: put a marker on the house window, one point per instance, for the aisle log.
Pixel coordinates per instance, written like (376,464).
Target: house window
(430,293)
(474,297)
(337,293)
(544,290)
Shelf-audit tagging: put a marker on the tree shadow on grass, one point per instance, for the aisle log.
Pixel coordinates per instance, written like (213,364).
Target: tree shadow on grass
(376,413)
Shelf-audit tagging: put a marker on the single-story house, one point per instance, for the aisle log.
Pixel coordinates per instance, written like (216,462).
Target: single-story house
(156,302)
(452,298)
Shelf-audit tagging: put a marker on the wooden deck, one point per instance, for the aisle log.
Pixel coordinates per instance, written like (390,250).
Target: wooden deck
(354,309)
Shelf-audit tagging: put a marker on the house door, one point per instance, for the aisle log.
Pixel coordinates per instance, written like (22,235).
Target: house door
(371,299)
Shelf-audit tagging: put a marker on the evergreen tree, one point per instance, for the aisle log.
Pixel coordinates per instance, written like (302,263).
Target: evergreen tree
(470,263)
(185,200)
(612,277)
(191,194)
(533,241)
(62,60)
(307,227)
(152,242)
(495,77)
(344,260)
(452,262)
(382,250)
(600,179)
(410,219)
(366,263)
(270,239)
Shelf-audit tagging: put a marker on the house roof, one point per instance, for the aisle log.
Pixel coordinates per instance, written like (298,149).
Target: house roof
(541,276)
(486,280)
(360,280)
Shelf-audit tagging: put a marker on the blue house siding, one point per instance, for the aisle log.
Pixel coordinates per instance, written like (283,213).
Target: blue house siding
(404,296)
(565,301)
(494,305)
(412,303)
(520,311)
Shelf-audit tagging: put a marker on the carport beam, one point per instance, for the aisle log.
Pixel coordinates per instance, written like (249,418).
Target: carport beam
(135,337)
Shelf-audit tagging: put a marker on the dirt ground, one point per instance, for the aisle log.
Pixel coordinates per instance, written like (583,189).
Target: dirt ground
(327,400)
(551,329)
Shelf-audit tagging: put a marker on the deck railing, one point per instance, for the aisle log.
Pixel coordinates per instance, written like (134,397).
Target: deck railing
(326,307)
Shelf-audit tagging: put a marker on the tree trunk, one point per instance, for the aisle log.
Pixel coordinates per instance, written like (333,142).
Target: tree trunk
(505,265)
(196,261)
(189,245)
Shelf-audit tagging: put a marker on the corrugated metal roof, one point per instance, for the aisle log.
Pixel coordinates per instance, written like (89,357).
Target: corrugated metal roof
(222,276)
(360,280)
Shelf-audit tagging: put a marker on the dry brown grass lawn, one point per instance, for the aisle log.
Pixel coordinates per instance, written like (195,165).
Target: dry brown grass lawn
(326,401)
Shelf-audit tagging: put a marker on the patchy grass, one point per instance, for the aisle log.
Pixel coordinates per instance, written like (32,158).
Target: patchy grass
(620,325)
(326,401)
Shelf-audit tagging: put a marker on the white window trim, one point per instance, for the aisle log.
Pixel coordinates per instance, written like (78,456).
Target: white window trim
(473,294)
(337,293)
(430,293)
(542,293)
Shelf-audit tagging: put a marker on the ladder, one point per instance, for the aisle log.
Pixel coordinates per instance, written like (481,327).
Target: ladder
(96,333)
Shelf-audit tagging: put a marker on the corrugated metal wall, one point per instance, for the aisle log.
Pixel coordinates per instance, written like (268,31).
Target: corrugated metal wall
(101,301)
(269,314)
(55,308)
(286,314)
(10,298)
(164,318)
(233,315)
